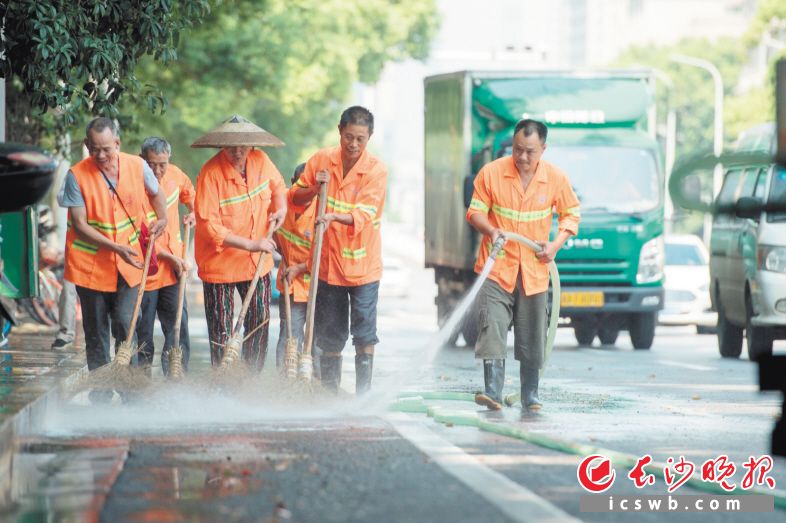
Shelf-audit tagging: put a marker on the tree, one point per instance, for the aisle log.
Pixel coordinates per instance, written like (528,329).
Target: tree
(63,60)
(289,66)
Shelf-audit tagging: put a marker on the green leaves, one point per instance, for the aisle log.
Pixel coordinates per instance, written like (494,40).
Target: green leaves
(288,65)
(81,57)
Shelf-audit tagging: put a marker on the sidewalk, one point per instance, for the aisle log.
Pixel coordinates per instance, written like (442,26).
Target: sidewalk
(29,372)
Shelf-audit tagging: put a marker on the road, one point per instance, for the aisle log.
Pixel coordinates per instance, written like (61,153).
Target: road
(265,451)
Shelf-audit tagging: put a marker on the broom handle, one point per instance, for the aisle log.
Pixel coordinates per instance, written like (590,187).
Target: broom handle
(181,291)
(287,308)
(312,288)
(251,288)
(140,292)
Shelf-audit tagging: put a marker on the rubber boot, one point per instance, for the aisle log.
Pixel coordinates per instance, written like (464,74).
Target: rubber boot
(330,367)
(529,388)
(364,365)
(494,379)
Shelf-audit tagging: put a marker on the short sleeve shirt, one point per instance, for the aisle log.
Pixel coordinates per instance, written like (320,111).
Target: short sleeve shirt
(70,194)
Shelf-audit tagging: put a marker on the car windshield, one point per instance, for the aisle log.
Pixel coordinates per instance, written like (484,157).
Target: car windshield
(611,179)
(683,254)
(778,194)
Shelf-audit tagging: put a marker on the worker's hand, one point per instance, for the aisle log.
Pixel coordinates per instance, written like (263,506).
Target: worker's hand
(276,219)
(157,227)
(547,253)
(189,219)
(263,245)
(129,255)
(326,219)
(497,233)
(179,265)
(294,271)
(323,176)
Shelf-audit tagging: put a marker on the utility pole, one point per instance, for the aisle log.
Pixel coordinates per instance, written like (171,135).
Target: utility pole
(717,177)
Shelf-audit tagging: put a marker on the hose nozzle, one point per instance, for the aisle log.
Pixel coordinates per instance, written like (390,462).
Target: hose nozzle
(497,246)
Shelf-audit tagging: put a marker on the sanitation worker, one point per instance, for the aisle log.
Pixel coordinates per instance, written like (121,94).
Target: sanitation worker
(161,288)
(350,264)
(294,240)
(104,194)
(518,193)
(240,195)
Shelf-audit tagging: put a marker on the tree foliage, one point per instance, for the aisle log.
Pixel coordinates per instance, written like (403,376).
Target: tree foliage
(288,65)
(63,60)
(691,92)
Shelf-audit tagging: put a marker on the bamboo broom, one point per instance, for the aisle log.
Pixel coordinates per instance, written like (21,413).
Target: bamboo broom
(290,352)
(306,370)
(127,350)
(232,349)
(176,370)
(118,373)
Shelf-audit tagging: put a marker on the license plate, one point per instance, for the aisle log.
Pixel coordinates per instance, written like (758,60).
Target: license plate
(582,299)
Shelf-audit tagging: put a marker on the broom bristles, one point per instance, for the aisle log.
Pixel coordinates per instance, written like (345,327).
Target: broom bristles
(176,371)
(291,359)
(232,351)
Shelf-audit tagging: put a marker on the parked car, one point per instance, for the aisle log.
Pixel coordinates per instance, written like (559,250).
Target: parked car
(748,253)
(687,284)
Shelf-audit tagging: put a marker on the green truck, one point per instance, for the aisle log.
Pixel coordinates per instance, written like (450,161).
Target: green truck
(602,133)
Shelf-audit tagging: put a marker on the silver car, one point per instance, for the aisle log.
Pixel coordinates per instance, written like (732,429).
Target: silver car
(748,255)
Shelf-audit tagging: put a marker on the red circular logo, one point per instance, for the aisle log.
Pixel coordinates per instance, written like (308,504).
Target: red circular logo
(595,474)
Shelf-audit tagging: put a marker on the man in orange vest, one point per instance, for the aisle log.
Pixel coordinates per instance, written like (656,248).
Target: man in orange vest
(104,194)
(518,193)
(240,196)
(161,289)
(350,265)
(294,242)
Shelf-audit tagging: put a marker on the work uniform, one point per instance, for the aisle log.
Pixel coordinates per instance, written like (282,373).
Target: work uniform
(106,284)
(294,239)
(350,264)
(161,289)
(516,289)
(227,202)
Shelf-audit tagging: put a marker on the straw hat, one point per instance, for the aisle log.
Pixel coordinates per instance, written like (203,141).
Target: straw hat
(238,132)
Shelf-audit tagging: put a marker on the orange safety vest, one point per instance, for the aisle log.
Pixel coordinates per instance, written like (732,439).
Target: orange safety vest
(225,203)
(351,255)
(499,195)
(177,187)
(87,265)
(294,242)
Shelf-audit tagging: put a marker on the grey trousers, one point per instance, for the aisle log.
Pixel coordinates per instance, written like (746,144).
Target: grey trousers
(98,310)
(67,312)
(496,309)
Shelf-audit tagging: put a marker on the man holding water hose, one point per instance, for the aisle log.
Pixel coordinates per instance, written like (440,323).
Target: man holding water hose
(518,193)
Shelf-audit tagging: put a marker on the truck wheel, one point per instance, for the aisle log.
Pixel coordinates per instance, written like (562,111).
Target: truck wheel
(585,333)
(757,339)
(729,336)
(608,335)
(642,329)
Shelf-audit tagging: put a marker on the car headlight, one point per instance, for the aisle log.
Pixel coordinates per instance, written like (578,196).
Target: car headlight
(651,261)
(772,258)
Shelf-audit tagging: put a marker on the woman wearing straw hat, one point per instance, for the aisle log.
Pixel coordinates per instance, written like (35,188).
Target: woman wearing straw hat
(240,198)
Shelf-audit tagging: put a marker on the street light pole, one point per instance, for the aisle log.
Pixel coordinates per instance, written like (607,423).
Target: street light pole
(717,177)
